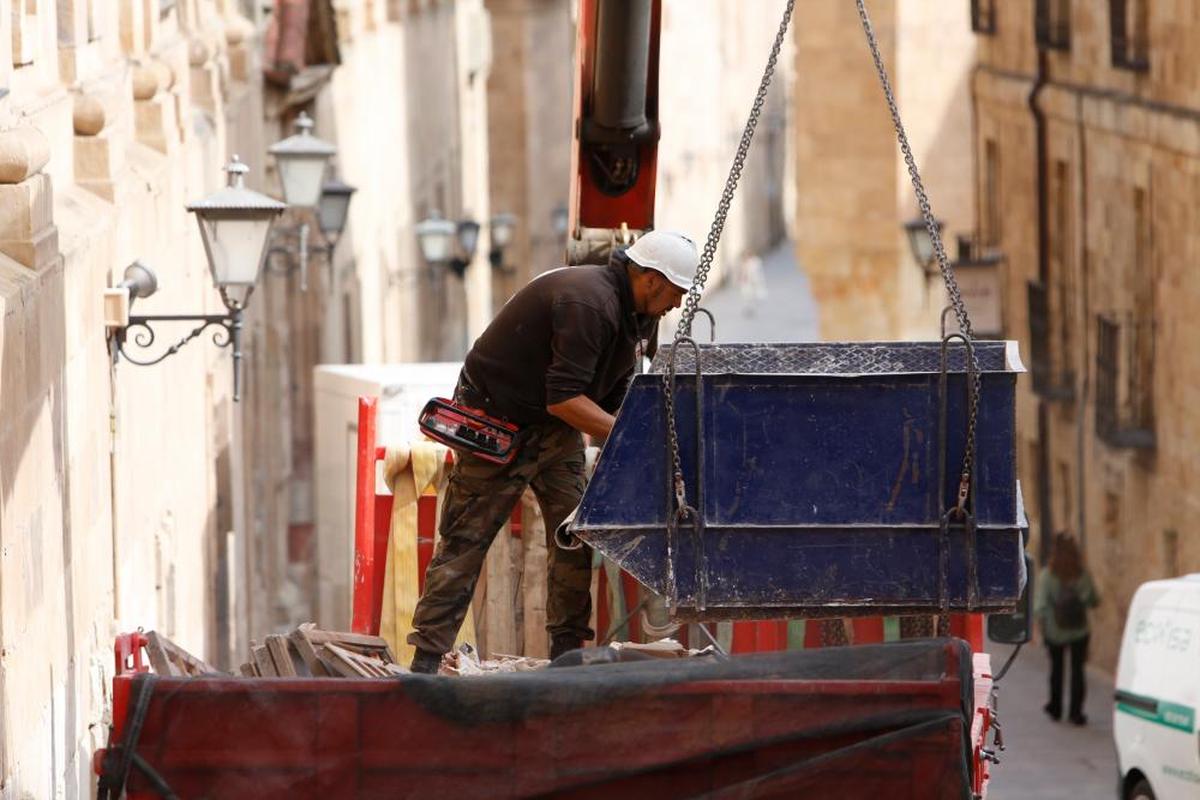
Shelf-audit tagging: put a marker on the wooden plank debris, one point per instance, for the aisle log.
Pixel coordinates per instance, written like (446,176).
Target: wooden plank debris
(262,660)
(309,652)
(168,658)
(363,644)
(281,656)
(350,664)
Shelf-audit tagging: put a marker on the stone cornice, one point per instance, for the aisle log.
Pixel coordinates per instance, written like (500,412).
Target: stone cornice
(1170,127)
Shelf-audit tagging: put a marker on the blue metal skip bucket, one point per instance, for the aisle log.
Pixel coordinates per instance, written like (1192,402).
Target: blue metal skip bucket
(817,482)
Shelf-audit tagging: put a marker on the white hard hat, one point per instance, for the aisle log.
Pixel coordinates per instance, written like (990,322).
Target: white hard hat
(671,254)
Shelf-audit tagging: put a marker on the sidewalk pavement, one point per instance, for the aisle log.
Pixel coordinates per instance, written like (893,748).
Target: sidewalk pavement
(788,312)
(1047,760)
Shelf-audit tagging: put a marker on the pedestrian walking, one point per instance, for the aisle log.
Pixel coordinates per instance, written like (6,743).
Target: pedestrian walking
(751,284)
(1064,594)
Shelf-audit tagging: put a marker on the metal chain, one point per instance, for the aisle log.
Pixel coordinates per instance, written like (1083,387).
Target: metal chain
(684,330)
(956,300)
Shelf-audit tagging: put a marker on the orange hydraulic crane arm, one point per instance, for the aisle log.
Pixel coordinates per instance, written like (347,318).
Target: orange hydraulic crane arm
(614,148)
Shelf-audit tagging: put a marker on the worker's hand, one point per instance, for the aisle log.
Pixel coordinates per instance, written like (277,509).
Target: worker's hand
(582,414)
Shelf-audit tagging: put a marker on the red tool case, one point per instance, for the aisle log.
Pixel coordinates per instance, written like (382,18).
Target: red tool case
(878,720)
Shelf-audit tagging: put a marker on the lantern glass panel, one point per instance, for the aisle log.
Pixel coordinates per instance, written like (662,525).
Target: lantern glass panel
(235,247)
(301,177)
(503,228)
(436,239)
(332,211)
(468,237)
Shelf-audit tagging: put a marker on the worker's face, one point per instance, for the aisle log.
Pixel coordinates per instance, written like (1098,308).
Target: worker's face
(660,295)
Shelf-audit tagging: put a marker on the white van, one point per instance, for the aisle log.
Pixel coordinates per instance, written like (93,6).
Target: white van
(1158,693)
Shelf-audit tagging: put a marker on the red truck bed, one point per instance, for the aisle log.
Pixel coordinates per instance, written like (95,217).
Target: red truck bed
(879,720)
(874,720)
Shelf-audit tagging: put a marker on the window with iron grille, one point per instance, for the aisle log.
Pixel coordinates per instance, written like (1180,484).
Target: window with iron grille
(1129,24)
(983,16)
(1108,345)
(1052,24)
(1124,380)
(1050,380)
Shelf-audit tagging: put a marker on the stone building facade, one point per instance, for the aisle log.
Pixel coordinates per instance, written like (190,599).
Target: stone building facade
(145,497)
(712,58)
(529,136)
(852,187)
(1087,151)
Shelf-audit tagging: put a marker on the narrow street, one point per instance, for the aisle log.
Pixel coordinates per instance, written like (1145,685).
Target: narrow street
(308,308)
(1047,760)
(784,312)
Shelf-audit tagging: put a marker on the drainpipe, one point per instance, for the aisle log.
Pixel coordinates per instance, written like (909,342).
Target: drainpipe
(113,493)
(1085,372)
(1043,217)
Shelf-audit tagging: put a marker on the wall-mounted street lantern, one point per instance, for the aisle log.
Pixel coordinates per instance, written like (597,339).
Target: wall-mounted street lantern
(301,160)
(235,224)
(921,243)
(333,209)
(503,228)
(437,238)
(293,243)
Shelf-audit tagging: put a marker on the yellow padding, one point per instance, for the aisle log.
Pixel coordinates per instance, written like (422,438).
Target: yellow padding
(409,471)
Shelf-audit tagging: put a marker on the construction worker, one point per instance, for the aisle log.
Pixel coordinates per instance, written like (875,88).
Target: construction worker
(556,361)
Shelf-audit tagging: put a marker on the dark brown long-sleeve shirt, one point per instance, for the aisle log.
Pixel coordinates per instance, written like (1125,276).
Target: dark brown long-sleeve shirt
(571,331)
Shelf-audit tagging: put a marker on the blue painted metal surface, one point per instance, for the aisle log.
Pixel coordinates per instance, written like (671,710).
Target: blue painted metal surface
(817,482)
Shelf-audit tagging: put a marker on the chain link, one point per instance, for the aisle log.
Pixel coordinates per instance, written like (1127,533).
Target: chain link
(944,266)
(683,331)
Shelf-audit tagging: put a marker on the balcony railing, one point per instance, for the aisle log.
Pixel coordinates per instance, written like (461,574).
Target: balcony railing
(1125,380)
(983,16)
(1050,381)
(1052,24)
(1129,45)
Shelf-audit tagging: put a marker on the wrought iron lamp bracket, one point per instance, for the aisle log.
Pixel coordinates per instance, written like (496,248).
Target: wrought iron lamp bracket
(228,333)
(292,242)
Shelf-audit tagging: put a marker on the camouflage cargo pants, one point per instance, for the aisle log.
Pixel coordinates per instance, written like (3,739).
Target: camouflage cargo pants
(479,499)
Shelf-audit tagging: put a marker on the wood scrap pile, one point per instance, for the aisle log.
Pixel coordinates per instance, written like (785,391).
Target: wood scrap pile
(465,661)
(309,652)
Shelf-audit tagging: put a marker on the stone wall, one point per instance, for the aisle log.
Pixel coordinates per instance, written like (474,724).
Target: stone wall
(529,115)
(108,507)
(1123,187)
(853,188)
(711,61)
(144,496)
